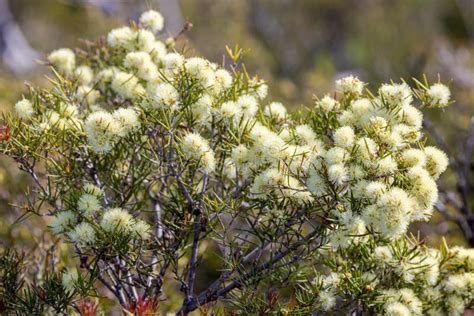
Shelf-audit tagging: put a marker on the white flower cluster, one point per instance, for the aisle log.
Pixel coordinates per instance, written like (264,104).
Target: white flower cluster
(64,117)
(24,109)
(350,85)
(276,110)
(64,60)
(402,302)
(439,95)
(127,85)
(457,288)
(103,129)
(89,210)
(152,20)
(118,220)
(411,279)
(370,150)
(89,201)
(83,234)
(372,155)
(424,267)
(197,148)
(147,75)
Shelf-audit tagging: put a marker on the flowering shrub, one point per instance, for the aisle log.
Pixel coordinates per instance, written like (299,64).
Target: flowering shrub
(145,157)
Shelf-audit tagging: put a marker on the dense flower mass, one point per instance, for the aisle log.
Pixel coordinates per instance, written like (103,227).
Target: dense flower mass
(149,128)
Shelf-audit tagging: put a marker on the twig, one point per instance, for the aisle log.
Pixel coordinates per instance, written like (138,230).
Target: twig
(212,294)
(195,246)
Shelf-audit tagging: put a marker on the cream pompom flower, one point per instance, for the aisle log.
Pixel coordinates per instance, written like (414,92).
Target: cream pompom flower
(152,20)
(439,95)
(24,109)
(64,60)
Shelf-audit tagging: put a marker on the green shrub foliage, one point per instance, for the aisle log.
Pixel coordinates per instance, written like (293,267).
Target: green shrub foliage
(150,163)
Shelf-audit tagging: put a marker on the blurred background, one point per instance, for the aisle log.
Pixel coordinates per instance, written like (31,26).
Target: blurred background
(299,46)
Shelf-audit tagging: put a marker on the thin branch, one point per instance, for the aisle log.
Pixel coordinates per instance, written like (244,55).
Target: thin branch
(195,246)
(212,294)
